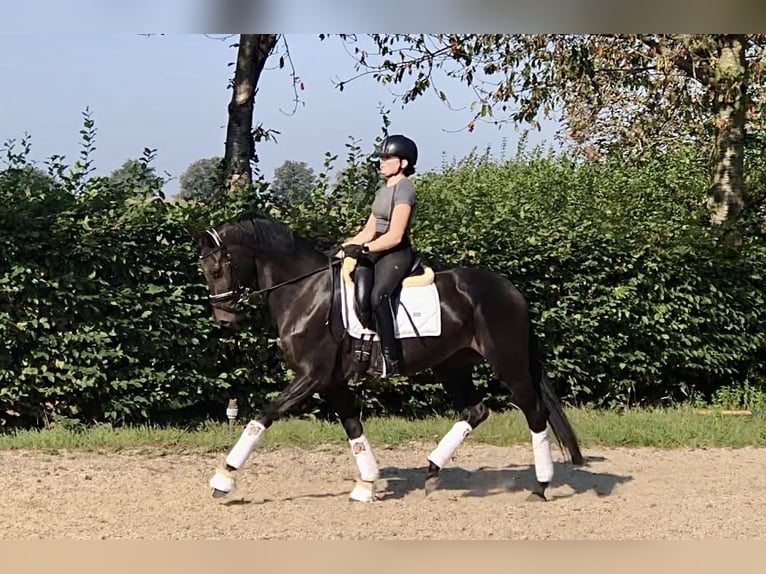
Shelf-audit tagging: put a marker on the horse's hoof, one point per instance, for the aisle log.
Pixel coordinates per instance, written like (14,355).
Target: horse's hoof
(364,491)
(432,483)
(222,483)
(537,497)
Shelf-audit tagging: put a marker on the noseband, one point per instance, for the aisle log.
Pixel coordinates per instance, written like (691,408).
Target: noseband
(240,294)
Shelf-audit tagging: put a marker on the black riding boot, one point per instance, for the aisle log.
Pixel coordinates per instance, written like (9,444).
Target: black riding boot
(385,328)
(363,281)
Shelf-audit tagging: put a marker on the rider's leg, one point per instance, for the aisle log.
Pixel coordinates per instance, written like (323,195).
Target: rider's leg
(390,270)
(364,275)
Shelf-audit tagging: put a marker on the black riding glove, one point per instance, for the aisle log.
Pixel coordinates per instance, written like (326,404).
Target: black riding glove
(354,251)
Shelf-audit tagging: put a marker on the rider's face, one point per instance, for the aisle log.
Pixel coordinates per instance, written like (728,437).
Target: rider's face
(390,165)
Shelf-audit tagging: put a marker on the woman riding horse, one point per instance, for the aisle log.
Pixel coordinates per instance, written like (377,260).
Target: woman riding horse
(383,248)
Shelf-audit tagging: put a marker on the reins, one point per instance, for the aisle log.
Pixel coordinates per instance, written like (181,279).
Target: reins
(243,294)
(251,293)
(331,263)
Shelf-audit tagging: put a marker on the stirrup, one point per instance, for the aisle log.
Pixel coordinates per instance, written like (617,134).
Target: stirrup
(362,353)
(390,367)
(391,371)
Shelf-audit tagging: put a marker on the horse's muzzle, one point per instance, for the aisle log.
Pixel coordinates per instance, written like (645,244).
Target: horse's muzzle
(225,319)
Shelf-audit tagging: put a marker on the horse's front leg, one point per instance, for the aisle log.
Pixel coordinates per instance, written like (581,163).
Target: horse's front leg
(297,391)
(349,412)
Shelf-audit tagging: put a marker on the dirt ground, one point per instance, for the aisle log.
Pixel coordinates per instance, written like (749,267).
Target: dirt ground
(290,493)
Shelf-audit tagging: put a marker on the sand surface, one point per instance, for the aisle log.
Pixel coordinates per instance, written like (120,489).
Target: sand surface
(623,493)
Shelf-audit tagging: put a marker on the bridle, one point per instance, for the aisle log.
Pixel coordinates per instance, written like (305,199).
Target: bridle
(241,294)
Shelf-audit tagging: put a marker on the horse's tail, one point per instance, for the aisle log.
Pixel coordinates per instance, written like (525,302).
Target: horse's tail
(560,424)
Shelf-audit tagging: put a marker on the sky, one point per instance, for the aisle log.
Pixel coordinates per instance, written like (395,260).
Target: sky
(170,93)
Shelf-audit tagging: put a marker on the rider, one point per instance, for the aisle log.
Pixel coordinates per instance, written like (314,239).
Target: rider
(383,248)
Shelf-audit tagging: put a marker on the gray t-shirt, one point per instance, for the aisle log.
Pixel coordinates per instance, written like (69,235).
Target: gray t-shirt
(387,198)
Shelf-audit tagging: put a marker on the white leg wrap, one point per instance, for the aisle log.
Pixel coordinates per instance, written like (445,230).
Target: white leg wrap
(447,446)
(222,480)
(541,447)
(363,491)
(365,460)
(248,440)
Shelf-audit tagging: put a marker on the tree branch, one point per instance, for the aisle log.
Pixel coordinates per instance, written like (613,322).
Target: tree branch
(685,64)
(296,80)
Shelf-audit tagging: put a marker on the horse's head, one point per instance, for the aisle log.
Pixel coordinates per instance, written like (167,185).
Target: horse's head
(229,273)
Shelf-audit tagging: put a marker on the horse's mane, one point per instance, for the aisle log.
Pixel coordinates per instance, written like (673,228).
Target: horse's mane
(268,235)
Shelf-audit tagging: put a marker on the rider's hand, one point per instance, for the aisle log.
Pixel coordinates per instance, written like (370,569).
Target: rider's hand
(353,250)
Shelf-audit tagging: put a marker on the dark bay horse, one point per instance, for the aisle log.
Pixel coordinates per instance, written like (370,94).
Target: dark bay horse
(483,317)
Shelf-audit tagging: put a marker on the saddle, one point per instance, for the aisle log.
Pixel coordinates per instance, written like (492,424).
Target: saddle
(418,276)
(416,296)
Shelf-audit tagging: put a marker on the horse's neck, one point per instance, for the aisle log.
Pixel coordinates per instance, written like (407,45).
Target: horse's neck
(273,270)
(298,285)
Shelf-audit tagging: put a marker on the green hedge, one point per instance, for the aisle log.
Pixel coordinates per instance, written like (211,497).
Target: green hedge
(635,299)
(102,310)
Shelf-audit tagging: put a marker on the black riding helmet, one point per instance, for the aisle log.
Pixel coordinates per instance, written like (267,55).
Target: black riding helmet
(402,147)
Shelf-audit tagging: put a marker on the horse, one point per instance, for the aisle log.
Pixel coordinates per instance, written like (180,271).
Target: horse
(482,315)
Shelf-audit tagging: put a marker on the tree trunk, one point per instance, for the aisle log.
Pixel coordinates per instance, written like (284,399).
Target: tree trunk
(729,104)
(253,51)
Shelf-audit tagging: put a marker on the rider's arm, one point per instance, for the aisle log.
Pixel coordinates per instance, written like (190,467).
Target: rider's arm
(366,234)
(399,219)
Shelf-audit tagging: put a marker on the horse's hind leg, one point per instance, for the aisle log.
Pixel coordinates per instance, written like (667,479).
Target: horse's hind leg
(457,379)
(536,414)
(529,401)
(349,412)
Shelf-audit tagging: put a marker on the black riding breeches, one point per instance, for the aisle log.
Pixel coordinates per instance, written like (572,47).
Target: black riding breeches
(377,276)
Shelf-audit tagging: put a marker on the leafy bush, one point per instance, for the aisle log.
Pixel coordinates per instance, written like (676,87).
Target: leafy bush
(634,299)
(104,317)
(102,310)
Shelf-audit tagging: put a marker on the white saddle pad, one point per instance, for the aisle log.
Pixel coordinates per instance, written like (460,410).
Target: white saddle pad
(420,302)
